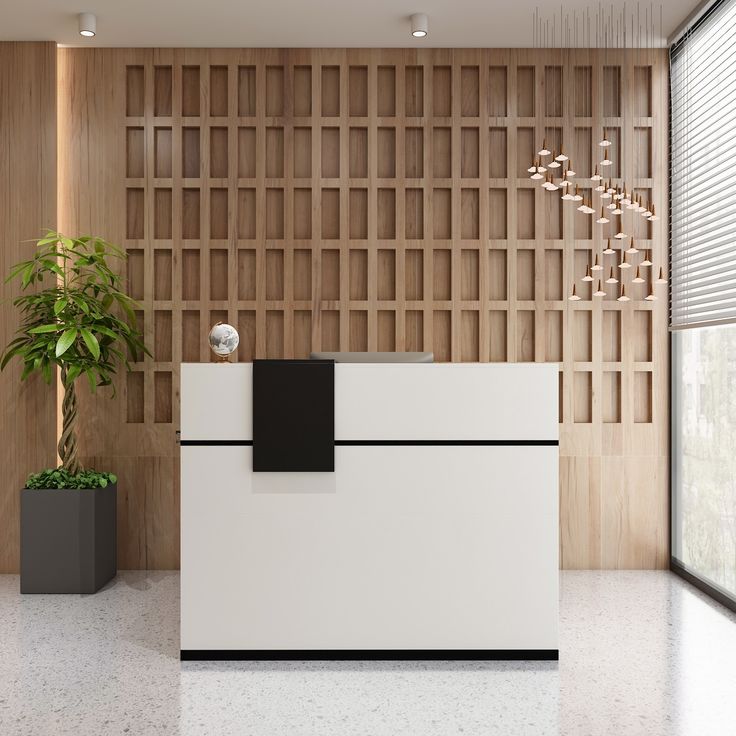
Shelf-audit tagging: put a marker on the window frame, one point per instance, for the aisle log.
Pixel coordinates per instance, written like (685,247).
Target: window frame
(725,598)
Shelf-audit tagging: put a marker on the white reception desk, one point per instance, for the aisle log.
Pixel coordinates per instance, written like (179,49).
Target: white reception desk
(435,537)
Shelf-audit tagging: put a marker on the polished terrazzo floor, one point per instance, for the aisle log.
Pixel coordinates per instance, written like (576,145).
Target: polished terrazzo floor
(640,653)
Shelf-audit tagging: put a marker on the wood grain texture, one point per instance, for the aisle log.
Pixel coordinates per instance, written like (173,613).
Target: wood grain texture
(27,206)
(375,200)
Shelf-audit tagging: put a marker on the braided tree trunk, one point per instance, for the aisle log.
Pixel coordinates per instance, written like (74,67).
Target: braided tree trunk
(68,441)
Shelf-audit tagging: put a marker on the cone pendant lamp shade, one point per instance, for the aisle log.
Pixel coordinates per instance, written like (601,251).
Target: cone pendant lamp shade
(623,297)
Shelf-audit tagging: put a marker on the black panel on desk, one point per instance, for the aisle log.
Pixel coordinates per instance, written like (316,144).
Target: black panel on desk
(293,415)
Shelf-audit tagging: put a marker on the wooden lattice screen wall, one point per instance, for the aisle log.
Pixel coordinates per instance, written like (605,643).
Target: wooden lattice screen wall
(376,200)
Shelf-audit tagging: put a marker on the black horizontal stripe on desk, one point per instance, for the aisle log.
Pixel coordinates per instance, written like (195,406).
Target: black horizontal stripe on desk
(216,443)
(212,655)
(445,443)
(390,443)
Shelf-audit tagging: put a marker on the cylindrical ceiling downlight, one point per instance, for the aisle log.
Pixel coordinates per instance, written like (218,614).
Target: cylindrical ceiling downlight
(419,25)
(87,25)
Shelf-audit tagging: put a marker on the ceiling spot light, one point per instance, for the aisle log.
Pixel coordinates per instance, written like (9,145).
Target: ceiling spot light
(419,25)
(87,25)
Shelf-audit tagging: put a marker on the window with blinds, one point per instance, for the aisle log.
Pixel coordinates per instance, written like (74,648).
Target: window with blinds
(703,171)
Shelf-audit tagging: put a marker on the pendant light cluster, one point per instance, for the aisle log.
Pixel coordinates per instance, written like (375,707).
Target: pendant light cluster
(610,200)
(555,172)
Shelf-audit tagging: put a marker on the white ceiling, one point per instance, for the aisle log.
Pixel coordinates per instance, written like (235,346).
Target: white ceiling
(295,23)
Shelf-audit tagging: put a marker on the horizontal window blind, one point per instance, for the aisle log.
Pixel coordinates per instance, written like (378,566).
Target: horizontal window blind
(703,171)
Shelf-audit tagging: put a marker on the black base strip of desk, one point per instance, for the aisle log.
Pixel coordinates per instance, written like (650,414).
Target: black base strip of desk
(390,443)
(290,655)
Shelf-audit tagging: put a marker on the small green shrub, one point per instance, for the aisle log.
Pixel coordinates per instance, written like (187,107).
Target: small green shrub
(61,478)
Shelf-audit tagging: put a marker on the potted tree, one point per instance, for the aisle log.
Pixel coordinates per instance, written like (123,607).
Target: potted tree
(76,318)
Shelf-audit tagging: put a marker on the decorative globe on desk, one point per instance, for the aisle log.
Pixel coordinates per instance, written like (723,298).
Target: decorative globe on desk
(223,340)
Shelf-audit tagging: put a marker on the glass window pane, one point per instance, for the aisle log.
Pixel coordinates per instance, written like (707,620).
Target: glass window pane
(704,453)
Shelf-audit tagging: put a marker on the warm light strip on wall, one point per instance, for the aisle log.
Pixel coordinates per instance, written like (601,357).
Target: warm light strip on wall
(61,138)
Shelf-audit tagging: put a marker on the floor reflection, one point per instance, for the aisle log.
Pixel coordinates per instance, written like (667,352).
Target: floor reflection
(641,653)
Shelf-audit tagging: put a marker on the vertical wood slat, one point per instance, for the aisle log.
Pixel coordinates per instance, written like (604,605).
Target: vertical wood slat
(28,152)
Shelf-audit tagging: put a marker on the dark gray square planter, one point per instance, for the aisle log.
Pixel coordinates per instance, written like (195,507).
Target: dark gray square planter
(68,539)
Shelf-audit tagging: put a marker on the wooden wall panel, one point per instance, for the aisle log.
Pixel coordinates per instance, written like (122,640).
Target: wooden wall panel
(27,206)
(375,199)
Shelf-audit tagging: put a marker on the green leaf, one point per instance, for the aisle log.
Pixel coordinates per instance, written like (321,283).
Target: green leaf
(91,342)
(60,306)
(26,371)
(124,302)
(105,331)
(17,269)
(8,355)
(27,275)
(51,266)
(91,379)
(73,373)
(55,327)
(65,341)
(46,371)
